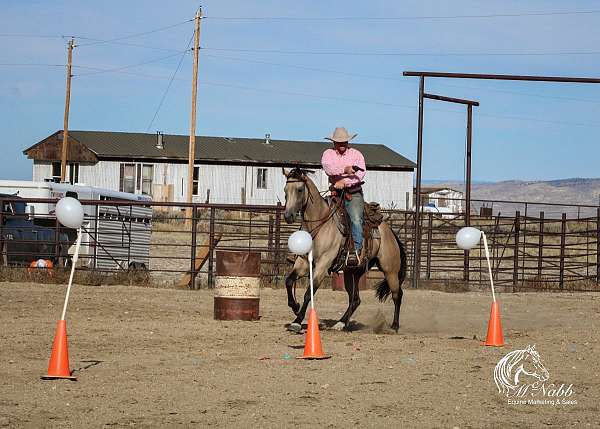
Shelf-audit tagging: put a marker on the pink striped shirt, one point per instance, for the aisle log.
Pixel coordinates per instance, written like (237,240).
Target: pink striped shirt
(334,164)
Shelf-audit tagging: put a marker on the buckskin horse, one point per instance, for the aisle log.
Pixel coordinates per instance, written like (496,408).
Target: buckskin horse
(319,219)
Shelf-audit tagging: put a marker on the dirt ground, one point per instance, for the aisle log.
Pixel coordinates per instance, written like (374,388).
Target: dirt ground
(156,358)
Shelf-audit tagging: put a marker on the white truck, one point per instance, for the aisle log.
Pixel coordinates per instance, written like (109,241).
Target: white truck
(114,236)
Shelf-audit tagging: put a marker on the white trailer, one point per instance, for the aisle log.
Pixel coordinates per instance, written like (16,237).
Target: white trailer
(115,236)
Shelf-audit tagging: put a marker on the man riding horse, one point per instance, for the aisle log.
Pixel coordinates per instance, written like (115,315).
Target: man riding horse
(346,170)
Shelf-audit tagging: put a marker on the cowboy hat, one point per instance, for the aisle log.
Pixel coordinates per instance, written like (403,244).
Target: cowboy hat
(340,135)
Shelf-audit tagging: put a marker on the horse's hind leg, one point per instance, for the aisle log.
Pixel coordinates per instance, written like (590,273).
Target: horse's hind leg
(351,281)
(397,293)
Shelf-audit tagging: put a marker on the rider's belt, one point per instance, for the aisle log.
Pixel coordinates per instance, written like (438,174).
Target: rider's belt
(354,190)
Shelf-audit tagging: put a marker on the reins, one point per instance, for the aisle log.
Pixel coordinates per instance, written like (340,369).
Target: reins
(323,220)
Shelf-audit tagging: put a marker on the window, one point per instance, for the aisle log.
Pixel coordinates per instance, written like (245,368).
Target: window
(261,178)
(147,175)
(196,181)
(73,169)
(56,172)
(442,200)
(74,173)
(127,179)
(136,178)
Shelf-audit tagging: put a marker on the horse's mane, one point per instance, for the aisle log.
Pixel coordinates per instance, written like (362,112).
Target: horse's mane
(299,173)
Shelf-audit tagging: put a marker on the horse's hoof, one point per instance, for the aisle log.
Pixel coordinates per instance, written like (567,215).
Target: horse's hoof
(295,327)
(395,328)
(339,326)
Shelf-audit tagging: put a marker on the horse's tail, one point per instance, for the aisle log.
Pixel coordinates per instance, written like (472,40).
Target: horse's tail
(383,288)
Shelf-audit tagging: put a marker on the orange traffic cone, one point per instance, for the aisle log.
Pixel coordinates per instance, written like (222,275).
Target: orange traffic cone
(58,367)
(312,347)
(494,332)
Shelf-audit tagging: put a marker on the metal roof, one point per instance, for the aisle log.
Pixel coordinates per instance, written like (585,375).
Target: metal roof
(123,145)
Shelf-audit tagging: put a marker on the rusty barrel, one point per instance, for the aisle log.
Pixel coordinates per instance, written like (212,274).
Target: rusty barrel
(337,282)
(237,285)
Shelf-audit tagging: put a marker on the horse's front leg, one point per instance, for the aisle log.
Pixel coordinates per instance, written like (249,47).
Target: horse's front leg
(300,269)
(351,283)
(318,277)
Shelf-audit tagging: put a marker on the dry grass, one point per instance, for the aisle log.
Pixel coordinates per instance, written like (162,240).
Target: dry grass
(84,277)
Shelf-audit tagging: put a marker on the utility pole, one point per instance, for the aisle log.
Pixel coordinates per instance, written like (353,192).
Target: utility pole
(65,142)
(192,145)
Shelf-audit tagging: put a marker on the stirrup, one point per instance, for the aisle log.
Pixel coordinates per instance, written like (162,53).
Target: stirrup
(355,260)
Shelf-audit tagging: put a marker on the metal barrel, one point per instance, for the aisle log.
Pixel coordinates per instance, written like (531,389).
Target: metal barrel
(337,282)
(237,285)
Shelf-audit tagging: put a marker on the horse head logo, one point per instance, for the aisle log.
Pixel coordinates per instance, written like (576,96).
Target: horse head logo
(520,371)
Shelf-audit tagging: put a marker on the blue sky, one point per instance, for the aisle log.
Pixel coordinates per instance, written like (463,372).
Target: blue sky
(320,74)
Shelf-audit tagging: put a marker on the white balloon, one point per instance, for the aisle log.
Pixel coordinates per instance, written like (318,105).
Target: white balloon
(69,212)
(468,237)
(300,242)
(41,263)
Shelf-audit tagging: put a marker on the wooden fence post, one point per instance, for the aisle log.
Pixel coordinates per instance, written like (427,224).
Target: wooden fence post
(193,273)
(516,250)
(563,229)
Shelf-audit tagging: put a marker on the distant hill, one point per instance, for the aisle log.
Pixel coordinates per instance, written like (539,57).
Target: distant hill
(563,191)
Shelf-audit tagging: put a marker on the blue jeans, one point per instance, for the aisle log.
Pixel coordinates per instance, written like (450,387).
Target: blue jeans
(355,208)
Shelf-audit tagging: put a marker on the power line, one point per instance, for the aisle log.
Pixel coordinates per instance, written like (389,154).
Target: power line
(402,106)
(164,96)
(401,18)
(124,72)
(361,101)
(136,34)
(117,69)
(92,39)
(394,79)
(406,54)
(301,94)
(134,45)
(32,64)
(308,68)
(37,36)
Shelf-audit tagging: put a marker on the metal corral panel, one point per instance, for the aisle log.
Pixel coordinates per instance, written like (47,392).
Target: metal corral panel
(123,236)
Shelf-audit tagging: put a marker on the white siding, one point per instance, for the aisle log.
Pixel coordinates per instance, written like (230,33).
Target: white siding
(442,198)
(41,171)
(227,183)
(224,181)
(104,174)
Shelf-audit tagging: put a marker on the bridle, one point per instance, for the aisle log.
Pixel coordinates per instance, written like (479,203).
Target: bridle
(310,197)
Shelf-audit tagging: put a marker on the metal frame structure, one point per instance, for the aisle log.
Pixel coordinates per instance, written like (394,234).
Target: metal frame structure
(422,75)
(469,104)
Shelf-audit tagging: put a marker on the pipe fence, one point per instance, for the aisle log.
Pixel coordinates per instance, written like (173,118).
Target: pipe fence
(155,243)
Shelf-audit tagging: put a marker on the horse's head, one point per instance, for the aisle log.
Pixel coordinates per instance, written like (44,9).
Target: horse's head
(296,192)
(532,366)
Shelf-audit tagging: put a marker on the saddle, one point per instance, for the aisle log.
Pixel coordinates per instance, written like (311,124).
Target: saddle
(372,219)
